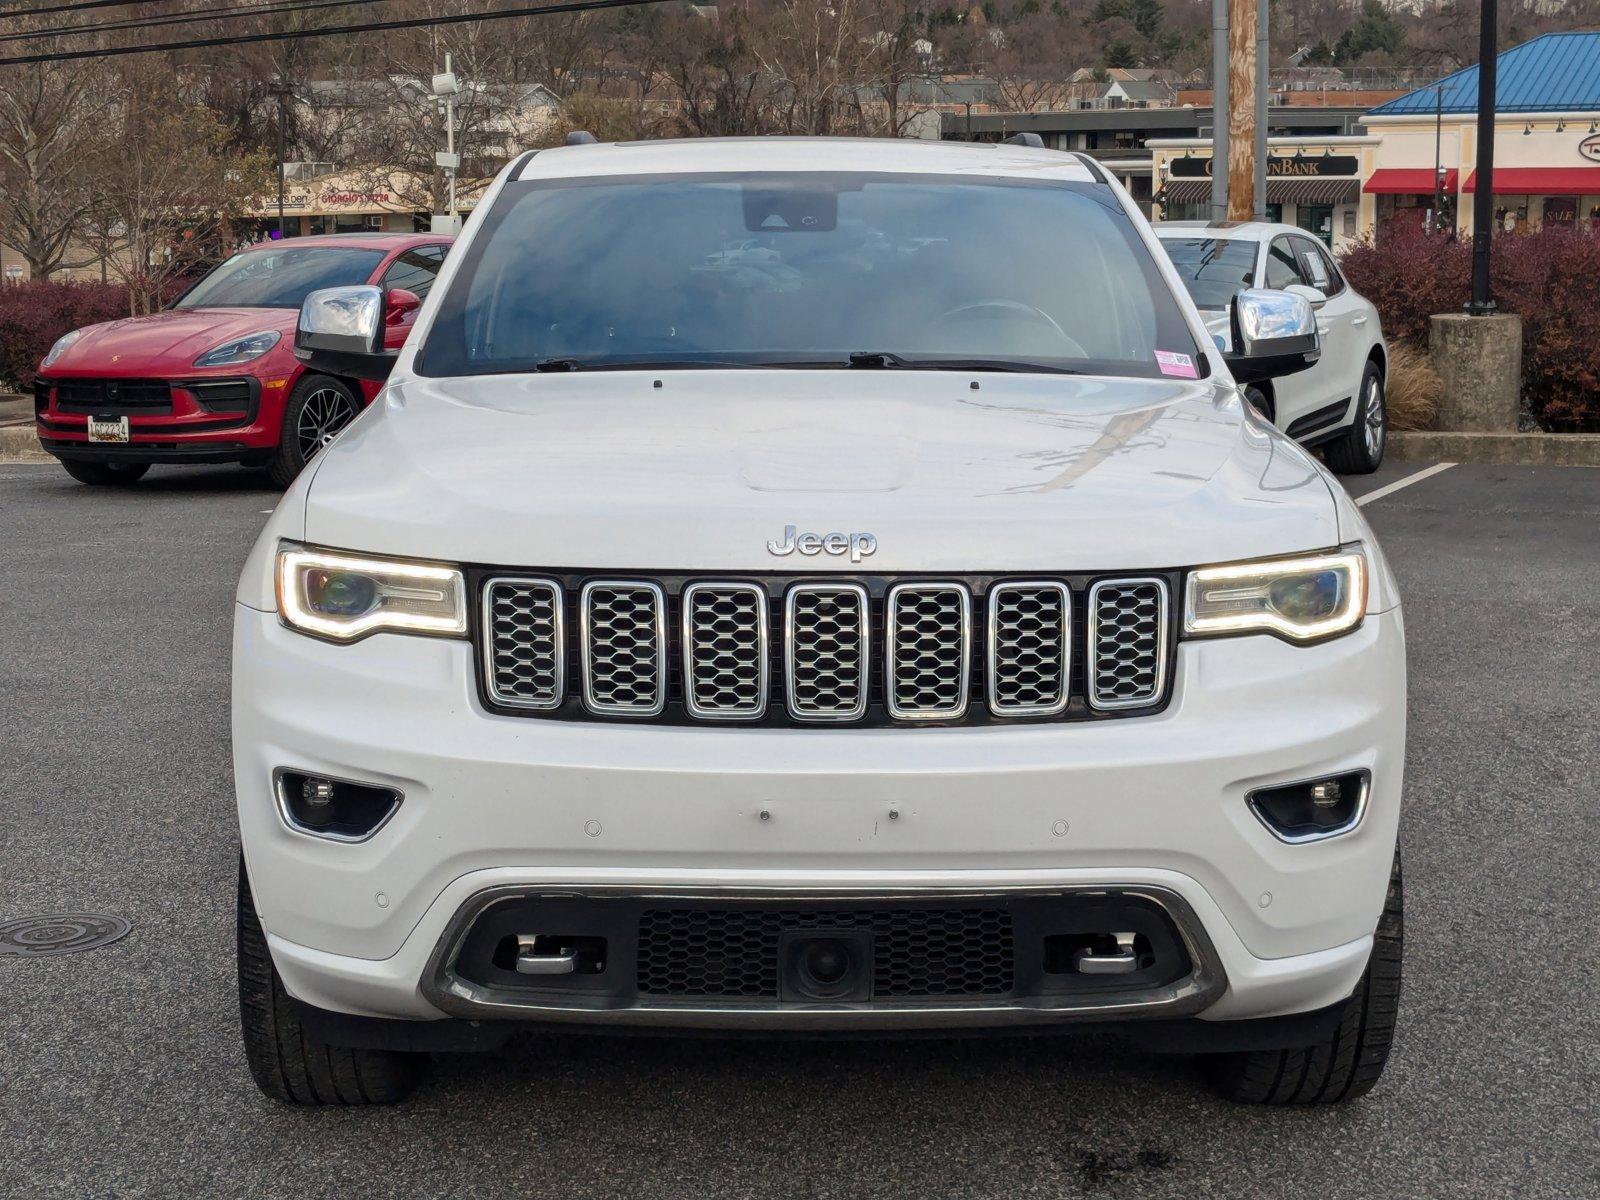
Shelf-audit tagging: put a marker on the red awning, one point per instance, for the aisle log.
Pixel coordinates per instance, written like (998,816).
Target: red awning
(1542,181)
(1407,181)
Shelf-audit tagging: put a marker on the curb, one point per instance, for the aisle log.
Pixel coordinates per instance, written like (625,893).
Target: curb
(19,443)
(1499,449)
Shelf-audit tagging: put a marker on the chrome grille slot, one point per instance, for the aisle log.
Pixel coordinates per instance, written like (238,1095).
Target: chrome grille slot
(725,651)
(624,648)
(929,651)
(1127,642)
(1029,655)
(525,662)
(826,631)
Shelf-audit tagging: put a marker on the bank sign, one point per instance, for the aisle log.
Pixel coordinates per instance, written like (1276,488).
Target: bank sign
(1298,166)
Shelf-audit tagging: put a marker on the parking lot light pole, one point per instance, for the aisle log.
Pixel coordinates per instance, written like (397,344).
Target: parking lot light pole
(280,89)
(1482,303)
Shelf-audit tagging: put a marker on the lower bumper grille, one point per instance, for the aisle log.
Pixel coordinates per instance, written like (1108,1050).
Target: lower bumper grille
(922,957)
(733,952)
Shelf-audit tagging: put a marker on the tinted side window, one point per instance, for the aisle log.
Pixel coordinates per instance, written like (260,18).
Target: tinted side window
(415,270)
(1283,268)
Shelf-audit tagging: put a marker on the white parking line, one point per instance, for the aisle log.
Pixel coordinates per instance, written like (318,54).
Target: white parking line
(1390,488)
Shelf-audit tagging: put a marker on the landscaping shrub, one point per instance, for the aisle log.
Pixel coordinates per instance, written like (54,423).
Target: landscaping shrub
(34,314)
(1548,278)
(1412,387)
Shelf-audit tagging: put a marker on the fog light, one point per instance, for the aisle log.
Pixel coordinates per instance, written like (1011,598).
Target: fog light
(337,809)
(1326,794)
(1313,809)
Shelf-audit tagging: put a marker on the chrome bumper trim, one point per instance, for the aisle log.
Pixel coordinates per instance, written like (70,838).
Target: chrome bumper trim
(451,994)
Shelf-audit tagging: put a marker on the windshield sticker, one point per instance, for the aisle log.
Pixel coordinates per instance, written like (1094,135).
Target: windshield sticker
(1179,365)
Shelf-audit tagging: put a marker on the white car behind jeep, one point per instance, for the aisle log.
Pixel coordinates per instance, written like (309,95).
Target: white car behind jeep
(907,628)
(1337,404)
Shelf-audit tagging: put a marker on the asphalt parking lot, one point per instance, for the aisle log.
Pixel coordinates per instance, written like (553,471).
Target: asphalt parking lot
(121,1072)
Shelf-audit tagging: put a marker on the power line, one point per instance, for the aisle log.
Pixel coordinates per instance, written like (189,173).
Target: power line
(331,31)
(29,11)
(271,9)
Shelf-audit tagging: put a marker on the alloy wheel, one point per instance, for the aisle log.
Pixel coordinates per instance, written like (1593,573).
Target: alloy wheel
(1373,431)
(325,412)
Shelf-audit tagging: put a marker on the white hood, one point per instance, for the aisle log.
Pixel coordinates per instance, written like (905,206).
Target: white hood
(609,470)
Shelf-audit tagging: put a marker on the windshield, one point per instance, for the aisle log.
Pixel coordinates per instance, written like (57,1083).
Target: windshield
(1213,269)
(808,270)
(280,276)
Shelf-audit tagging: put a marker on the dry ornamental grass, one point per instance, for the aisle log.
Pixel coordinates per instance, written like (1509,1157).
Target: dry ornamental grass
(1412,389)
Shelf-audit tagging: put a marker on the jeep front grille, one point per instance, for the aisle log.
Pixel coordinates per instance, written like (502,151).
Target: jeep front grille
(828,638)
(624,648)
(1127,642)
(526,659)
(930,651)
(1029,648)
(808,650)
(725,651)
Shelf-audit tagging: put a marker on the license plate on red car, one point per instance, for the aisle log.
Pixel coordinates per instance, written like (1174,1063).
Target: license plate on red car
(108,429)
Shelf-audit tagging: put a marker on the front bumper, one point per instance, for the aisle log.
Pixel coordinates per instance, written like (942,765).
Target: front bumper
(494,802)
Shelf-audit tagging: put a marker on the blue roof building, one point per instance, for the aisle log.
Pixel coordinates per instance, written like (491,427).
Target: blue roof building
(1546,148)
(1556,73)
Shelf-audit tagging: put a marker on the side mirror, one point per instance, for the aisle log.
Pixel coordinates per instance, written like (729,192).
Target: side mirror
(1274,334)
(397,302)
(340,331)
(1314,296)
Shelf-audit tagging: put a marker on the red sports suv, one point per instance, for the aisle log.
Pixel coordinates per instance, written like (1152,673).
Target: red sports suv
(214,377)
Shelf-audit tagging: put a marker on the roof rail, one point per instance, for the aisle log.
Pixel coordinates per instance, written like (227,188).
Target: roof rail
(581,137)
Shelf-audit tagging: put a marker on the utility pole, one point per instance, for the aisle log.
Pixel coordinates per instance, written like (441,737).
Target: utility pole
(1482,303)
(1241,109)
(447,88)
(1263,60)
(1220,111)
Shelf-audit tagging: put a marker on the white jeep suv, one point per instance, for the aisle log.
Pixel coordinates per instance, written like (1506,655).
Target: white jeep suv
(906,627)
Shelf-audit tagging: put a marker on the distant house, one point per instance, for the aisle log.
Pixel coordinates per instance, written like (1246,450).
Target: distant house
(1134,93)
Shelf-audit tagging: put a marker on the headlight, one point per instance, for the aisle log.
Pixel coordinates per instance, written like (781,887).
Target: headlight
(240,350)
(1304,598)
(344,596)
(60,348)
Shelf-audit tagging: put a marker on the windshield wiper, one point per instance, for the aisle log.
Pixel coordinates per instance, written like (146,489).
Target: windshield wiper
(885,360)
(876,360)
(556,364)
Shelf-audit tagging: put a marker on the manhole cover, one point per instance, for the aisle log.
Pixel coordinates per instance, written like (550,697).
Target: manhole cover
(59,933)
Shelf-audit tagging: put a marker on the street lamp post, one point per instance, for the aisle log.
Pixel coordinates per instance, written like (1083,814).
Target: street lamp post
(280,89)
(1438,162)
(446,88)
(1482,303)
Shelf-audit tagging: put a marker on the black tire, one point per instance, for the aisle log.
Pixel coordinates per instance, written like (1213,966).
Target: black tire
(1349,1062)
(104,474)
(315,411)
(286,1062)
(1359,450)
(1260,401)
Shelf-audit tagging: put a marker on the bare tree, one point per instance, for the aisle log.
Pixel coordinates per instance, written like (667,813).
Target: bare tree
(1029,61)
(164,187)
(51,124)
